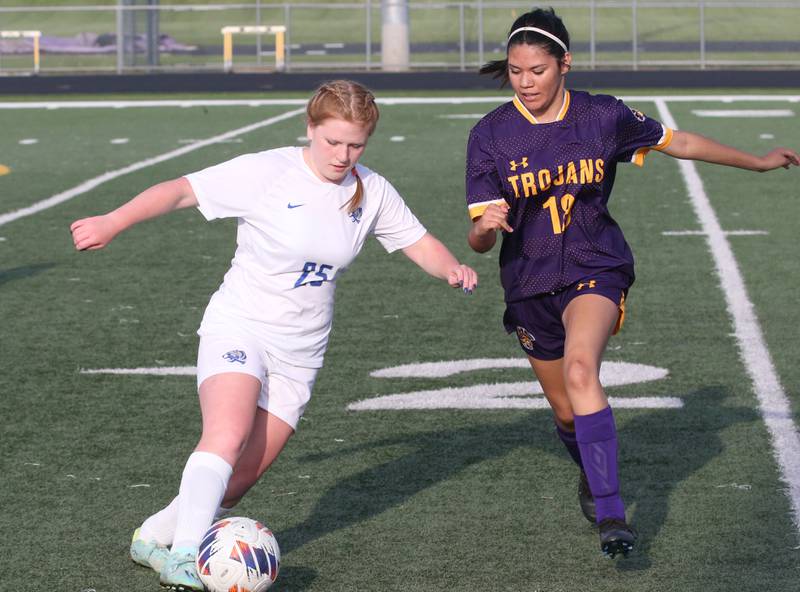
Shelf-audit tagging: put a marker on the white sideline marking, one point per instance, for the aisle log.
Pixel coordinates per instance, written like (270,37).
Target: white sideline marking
(28,141)
(382,101)
(97,181)
(726,233)
(397,139)
(509,395)
(159,371)
(743,112)
(772,400)
(502,396)
(506,395)
(611,373)
(228,141)
(120,140)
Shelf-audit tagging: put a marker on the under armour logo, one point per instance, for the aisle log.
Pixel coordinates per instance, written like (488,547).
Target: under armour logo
(590,284)
(514,164)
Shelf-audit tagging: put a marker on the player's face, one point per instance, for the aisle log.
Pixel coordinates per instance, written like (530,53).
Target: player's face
(335,145)
(537,78)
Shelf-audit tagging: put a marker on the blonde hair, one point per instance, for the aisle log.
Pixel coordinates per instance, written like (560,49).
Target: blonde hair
(350,101)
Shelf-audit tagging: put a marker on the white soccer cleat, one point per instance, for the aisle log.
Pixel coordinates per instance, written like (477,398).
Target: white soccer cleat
(180,572)
(148,553)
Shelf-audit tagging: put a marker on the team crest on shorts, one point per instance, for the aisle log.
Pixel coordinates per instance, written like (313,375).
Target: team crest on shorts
(235,355)
(526,340)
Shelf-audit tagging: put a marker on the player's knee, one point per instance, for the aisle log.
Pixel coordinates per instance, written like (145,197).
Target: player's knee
(580,376)
(228,444)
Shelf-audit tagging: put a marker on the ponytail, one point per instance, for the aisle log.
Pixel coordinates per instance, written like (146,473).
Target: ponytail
(355,201)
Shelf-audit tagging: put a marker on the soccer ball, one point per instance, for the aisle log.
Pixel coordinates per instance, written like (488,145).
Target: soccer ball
(238,555)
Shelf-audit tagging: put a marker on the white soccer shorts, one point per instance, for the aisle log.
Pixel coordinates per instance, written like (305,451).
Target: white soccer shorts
(285,388)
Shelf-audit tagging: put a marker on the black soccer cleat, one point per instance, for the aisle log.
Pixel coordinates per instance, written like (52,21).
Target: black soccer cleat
(586,499)
(616,537)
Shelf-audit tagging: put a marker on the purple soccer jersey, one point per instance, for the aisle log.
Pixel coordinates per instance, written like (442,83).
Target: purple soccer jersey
(557,178)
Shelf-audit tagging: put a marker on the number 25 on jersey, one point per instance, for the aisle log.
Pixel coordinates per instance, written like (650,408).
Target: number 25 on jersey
(319,271)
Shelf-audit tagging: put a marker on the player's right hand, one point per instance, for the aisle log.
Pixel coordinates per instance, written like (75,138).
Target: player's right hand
(495,217)
(93,233)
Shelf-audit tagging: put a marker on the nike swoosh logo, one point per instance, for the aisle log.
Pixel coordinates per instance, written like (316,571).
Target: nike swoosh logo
(292,206)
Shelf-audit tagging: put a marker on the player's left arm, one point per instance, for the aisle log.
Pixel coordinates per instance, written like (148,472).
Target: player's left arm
(437,260)
(691,146)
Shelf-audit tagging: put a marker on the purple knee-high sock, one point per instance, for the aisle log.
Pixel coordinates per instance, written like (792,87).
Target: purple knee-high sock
(571,444)
(597,440)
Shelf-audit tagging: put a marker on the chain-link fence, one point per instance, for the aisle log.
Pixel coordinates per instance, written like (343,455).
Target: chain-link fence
(143,35)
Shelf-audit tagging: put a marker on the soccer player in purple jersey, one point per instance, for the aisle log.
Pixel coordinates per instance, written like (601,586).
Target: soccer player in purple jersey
(540,169)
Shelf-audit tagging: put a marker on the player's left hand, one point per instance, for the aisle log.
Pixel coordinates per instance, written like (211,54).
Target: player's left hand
(464,277)
(780,157)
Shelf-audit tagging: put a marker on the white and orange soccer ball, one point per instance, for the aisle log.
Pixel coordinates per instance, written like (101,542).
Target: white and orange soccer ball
(238,555)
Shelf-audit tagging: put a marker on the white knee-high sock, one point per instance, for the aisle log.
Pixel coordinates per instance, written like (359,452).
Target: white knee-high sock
(160,527)
(203,485)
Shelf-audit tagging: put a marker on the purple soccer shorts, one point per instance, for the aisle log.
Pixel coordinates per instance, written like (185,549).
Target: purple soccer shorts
(537,321)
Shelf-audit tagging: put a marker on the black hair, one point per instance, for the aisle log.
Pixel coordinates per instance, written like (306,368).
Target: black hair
(541,18)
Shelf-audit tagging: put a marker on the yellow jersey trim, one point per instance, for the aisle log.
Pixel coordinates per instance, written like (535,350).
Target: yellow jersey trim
(562,113)
(641,153)
(476,210)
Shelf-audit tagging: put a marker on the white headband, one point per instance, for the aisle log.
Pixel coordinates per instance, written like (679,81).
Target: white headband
(541,32)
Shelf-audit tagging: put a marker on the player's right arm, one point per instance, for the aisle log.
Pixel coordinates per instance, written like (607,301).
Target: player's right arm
(97,231)
(483,234)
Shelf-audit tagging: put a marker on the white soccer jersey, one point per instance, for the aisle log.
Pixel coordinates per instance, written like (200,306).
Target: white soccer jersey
(295,236)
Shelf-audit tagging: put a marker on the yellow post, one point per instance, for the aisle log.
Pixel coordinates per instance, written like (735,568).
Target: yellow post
(227,50)
(280,42)
(26,35)
(280,51)
(36,54)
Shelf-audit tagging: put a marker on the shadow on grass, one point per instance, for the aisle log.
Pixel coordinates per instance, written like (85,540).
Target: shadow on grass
(20,273)
(659,452)
(435,457)
(659,449)
(296,579)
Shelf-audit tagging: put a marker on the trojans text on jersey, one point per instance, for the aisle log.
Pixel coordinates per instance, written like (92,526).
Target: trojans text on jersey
(528,183)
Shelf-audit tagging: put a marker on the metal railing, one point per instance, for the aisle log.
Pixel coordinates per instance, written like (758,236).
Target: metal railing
(622,34)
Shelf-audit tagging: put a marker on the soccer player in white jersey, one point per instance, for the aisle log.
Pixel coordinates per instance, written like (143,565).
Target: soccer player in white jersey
(303,215)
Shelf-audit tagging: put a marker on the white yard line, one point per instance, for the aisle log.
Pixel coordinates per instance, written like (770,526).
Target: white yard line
(105,177)
(727,233)
(736,113)
(772,400)
(96,181)
(384,101)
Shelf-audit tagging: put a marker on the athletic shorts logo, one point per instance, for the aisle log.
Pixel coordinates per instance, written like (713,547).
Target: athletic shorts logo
(235,355)
(356,214)
(292,206)
(526,340)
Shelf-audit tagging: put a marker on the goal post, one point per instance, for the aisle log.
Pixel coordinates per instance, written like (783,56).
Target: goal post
(35,35)
(227,42)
